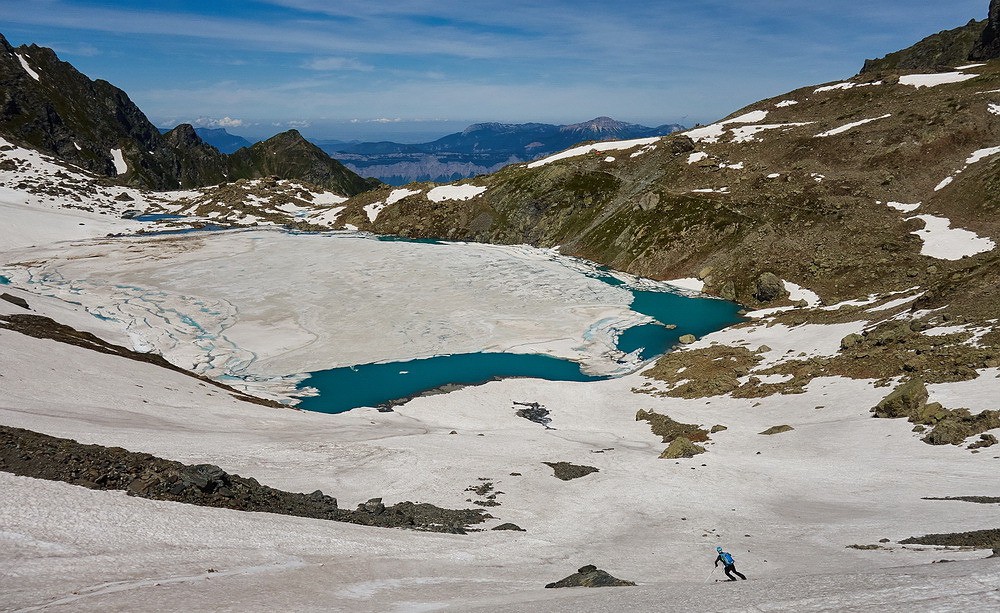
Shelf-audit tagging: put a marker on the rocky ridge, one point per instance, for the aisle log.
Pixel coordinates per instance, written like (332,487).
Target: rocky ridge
(47,105)
(31,454)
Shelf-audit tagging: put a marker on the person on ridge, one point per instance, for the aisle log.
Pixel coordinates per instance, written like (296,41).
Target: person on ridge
(728,564)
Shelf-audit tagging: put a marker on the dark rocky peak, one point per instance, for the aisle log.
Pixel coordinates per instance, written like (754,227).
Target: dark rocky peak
(988,47)
(946,49)
(183,136)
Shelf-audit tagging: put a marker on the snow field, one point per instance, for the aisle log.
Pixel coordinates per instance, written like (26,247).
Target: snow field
(807,495)
(850,126)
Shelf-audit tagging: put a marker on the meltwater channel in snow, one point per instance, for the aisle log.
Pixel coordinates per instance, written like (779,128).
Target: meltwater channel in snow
(380,384)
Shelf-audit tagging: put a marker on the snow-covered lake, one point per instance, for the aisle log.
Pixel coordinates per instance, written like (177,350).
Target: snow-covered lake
(263,309)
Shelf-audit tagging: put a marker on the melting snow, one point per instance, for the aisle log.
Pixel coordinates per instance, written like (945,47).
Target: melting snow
(454,192)
(616,145)
(943,184)
(968,66)
(995,109)
(774,175)
(785,103)
(610,158)
(981,154)
(27,69)
(736,166)
(120,166)
(696,285)
(797,292)
(746,134)
(906,208)
(697,156)
(933,80)
(850,126)
(845,85)
(709,190)
(399,194)
(712,133)
(946,243)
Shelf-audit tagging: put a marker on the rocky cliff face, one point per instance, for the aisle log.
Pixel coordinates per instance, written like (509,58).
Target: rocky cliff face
(47,104)
(988,46)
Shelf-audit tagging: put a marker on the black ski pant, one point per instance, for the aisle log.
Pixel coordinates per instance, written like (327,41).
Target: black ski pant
(730,569)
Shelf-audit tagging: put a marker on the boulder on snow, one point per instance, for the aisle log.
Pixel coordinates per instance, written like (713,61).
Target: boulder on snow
(769,288)
(590,576)
(681,447)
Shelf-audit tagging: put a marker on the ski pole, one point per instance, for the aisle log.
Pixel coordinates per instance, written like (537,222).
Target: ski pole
(714,568)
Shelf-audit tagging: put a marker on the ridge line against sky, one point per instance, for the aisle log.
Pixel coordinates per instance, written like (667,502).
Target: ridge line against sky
(412,69)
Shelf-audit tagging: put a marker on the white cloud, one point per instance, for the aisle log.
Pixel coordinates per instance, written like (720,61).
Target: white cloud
(211,122)
(332,64)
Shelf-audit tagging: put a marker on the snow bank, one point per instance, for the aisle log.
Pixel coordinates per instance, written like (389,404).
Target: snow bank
(712,133)
(619,145)
(696,157)
(946,243)
(454,192)
(121,167)
(695,285)
(981,154)
(933,80)
(906,208)
(850,126)
(786,103)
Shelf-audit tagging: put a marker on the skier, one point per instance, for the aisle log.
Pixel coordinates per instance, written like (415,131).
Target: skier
(727,564)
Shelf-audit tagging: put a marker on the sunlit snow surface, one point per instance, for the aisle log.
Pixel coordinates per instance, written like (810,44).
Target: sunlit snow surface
(946,243)
(933,80)
(851,126)
(453,192)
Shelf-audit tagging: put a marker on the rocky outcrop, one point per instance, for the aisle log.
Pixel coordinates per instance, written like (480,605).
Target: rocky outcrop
(948,48)
(950,426)
(988,46)
(777,430)
(290,156)
(681,447)
(669,429)
(590,576)
(31,454)
(567,472)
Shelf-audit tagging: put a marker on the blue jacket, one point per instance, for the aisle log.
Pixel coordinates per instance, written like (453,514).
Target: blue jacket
(725,558)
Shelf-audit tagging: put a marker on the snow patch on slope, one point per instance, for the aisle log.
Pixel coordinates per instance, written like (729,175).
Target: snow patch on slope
(453,192)
(121,167)
(943,242)
(712,133)
(850,126)
(618,145)
(27,69)
(933,80)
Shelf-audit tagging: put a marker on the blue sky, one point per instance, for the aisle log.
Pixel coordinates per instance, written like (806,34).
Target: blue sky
(418,69)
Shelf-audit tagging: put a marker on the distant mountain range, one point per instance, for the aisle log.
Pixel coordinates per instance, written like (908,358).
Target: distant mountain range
(481,148)
(222,140)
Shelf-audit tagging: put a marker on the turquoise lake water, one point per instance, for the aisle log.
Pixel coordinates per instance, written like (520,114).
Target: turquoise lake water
(4,280)
(373,385)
